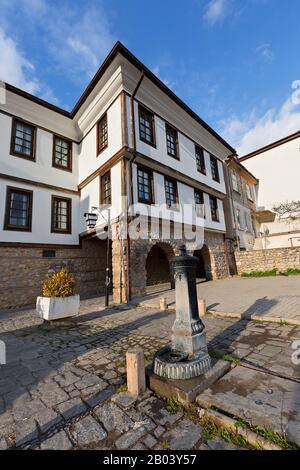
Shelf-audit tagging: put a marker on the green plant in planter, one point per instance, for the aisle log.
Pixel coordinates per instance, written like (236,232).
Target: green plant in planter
(59,284)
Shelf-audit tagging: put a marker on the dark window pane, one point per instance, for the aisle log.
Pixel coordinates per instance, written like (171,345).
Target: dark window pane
(146,119)
(62,149)
(199,203)
(19,209)
(106,189)
(144,185)
(61,214)
(102,133)
(23,139)
(200,162)
(214,208)
(171,135)
(214,169)
(171,192)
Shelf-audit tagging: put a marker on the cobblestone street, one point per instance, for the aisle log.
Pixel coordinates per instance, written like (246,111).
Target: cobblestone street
(60,388)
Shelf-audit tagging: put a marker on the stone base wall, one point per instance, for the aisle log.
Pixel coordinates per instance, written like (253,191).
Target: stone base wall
(213,254)
(22,271)
(265,260)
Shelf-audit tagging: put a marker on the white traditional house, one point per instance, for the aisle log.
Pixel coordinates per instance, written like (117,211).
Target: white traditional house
(277,166)
(128,135)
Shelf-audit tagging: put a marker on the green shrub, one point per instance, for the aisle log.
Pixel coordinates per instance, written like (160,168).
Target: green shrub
(292,272)
(272,272)
(59,284)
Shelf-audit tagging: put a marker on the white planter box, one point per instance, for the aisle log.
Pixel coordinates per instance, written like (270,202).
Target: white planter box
(53,308)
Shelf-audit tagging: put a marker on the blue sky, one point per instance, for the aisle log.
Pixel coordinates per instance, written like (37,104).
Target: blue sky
(235,62)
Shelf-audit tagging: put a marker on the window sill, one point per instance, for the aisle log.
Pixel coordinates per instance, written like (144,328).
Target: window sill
(16,228)
(102,150)
(58,167)
(62,232)
(24,156)
(173,208)
(173,156)
(149,203)
(152,144)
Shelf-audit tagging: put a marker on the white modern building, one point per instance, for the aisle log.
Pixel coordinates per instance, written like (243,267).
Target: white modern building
(277,167)
(128,135)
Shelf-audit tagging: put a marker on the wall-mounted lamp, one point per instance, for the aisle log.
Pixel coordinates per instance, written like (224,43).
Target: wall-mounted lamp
(91,219)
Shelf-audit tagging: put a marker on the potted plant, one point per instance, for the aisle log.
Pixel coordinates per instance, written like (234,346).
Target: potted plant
(58,300)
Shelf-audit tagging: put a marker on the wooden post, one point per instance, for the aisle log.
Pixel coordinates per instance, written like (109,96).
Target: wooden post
(163,303)
(136,380)
(202,307)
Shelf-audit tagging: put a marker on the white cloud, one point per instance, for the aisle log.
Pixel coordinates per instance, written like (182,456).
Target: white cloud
(265,52)
(79,41)
(14,67)
(156,71)
(252,132)
(77,37)
(215,11)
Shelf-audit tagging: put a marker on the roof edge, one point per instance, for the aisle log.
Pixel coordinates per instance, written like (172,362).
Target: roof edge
(36,99)
(243,168)
(120,48)
(274,144)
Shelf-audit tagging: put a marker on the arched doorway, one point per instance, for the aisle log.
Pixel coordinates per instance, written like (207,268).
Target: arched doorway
(203,269)
(158,266)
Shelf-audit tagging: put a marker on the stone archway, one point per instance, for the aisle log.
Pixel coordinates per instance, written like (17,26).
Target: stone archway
(158,264)
(203,270)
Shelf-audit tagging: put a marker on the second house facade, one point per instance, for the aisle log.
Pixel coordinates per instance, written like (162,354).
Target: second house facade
(128,136)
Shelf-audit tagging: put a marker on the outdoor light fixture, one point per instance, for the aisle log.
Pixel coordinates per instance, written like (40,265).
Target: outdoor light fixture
(91,219)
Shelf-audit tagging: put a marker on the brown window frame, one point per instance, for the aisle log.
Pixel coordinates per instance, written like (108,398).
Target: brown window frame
(217,216)
(166,178)
(18,228)
(68,230)
(15,153)
(175,131)
(151,185)
(199,191)
(200,168)
(214,160)
(100,150)
(143,109)
(102,202)
(70,153)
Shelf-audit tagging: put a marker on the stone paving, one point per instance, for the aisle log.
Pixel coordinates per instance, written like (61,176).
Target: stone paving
(60,388)
(272,298)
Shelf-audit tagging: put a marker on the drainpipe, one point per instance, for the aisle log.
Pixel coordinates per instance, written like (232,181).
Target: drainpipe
(133,139)
(231,201)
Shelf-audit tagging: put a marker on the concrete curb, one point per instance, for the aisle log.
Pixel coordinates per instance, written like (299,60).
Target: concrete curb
(264,319)
(229,423)
(220,314)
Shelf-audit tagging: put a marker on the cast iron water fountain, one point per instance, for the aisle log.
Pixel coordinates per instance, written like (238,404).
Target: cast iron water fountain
(187,357)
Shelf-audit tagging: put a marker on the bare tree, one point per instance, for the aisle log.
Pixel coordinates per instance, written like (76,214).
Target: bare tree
(287,210)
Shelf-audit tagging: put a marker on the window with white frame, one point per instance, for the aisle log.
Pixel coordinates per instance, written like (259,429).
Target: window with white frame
(235,182)
(238,218)
(199,203)
(249,192)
